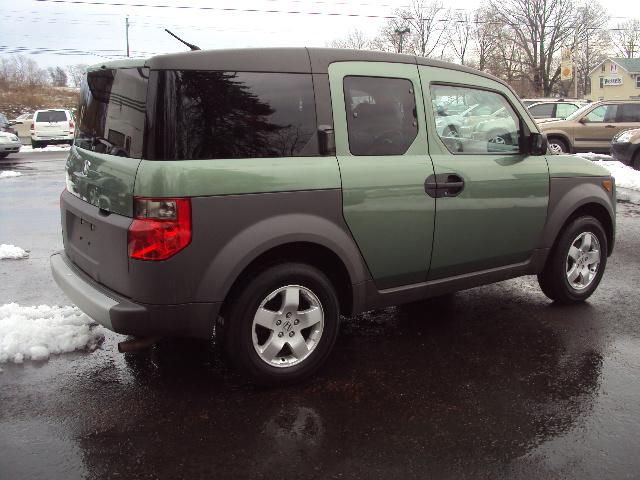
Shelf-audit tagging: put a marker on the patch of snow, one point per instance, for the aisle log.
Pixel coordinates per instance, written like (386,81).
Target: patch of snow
(12,252)
(594,156)
(626,177)
(9,174)
(37,332)
(48,148)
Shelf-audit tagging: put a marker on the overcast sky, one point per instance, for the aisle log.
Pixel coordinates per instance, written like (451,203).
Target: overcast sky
(45,29)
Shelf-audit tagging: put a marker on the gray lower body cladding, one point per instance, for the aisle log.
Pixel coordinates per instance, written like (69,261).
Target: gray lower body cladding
(181,296)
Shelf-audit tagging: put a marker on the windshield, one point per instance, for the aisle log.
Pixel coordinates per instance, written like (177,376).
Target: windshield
(578,113)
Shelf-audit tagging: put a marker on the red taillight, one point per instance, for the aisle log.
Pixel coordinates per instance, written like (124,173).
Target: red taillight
(161,227)
(71,126)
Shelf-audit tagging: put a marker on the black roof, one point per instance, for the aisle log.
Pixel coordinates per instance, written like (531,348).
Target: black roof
(289,60)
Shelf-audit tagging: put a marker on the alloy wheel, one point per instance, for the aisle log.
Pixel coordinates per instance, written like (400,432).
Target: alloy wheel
(287,326)
(583,260)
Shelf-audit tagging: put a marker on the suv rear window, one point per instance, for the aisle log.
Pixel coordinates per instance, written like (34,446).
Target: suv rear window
(219,114)
(51,116)
(111,114)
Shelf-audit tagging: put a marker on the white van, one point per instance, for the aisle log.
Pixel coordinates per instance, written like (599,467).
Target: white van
(52,126)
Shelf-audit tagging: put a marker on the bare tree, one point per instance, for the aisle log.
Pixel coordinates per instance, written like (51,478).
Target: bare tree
(591,42)
(76,74)
(428,23)
(626,39)
(355,40)
(57,76)
(483,36)
(540,28)
(460,34)
(21,70)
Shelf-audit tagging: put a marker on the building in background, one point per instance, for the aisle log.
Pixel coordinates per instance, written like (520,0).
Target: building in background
(615,79)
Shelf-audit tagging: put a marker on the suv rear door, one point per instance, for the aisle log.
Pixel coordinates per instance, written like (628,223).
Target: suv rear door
(629,116)
(51,123)
(381,145)
(493,213)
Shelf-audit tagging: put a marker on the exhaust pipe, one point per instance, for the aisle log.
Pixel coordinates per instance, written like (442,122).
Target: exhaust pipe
(137,344)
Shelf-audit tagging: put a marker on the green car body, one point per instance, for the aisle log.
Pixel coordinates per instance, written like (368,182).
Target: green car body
(384,228)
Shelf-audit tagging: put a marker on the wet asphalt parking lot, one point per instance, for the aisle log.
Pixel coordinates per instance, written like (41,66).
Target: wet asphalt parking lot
(494,382)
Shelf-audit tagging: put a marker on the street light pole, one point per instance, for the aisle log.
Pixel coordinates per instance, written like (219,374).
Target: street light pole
(401,33)
(127,33)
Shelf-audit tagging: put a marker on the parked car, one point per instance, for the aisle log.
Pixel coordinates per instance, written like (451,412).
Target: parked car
(22,124)
(625,147)
(591,128)
(5,125)
(530,101)
(265,198)
(545,111)
(52,126)
(9,143)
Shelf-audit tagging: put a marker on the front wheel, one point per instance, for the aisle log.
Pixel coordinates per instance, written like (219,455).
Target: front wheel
(283,324)
(576,263)
(557,146)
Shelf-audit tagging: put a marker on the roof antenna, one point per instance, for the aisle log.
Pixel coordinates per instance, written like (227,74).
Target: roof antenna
(190,45)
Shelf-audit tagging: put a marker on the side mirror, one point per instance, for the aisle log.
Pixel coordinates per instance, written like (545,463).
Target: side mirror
(538,144)
(326,140)
(583,120)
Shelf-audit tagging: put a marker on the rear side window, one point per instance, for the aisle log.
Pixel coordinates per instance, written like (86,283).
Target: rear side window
(381,115)
(224,115)
(51,116)
(630,112)
(544,110)
(111,113)
(563,110)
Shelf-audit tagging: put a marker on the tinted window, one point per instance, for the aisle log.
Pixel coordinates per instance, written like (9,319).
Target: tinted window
(479,131)
(111,113)
(544,110)
(603,113)
(51,116)
(630,112)
(563,110)
(381,115)
(214,114)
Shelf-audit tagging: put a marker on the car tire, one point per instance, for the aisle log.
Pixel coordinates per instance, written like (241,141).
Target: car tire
(262,334)
(34,144)
(3,155)
(558,146)
(571,274)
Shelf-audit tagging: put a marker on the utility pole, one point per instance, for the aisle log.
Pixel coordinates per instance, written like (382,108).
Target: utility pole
(401,33)
(127,30)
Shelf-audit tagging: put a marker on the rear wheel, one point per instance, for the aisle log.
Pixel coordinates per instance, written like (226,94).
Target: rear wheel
(283,324)
(557,146)
(576,263)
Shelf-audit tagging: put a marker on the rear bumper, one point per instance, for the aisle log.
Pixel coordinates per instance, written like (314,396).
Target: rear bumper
(52,138)
(122,315)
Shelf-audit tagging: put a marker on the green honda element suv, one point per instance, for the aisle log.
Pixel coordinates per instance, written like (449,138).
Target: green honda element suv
(258,194)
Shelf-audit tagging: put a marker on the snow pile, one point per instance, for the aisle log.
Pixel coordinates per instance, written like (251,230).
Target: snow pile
(626,177)
(9,174)
(595,156)
(12,252)
(48,148)
(37,332)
